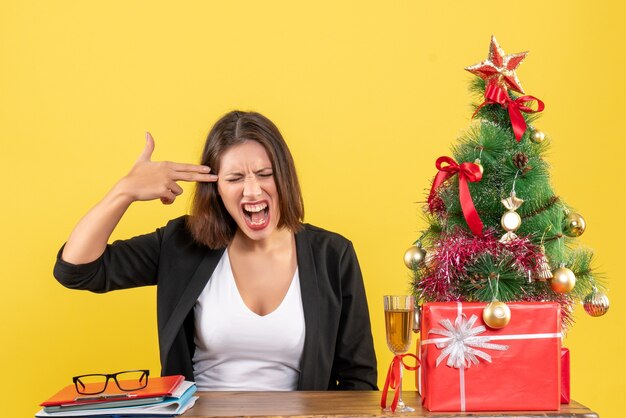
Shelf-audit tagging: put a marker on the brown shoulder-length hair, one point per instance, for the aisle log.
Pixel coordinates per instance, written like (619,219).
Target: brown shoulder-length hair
(209,221)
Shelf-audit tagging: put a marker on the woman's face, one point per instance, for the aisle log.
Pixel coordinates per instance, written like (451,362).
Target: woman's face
(247,188)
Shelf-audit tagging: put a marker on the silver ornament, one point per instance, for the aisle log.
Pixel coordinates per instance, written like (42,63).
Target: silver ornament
(417,323)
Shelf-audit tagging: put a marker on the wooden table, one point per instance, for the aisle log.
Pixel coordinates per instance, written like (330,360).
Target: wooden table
(338,404)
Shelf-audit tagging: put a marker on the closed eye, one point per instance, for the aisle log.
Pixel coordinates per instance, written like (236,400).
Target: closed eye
(237,177)
(234,179)
(265,172)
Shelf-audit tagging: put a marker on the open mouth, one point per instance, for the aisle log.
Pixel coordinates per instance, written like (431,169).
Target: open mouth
(257,214)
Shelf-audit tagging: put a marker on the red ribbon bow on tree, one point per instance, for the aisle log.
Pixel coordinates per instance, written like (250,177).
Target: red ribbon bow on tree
(496,94)
(394,377)
(467,172)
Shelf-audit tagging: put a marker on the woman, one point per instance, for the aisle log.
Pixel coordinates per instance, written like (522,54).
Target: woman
(248,297)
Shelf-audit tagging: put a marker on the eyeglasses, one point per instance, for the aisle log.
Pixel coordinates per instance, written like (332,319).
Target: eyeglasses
(91,384)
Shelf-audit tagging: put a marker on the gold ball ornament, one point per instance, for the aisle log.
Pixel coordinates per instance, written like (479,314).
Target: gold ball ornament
(414,256)
(596,303)
(574,225)
(563,280)
(496,315)
(537,136)
(480,166)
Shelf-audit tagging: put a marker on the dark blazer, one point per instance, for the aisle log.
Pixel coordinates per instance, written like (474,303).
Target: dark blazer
(338,347)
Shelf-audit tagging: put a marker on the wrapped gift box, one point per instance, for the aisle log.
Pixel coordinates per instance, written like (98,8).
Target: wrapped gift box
(514,368)
(565,398)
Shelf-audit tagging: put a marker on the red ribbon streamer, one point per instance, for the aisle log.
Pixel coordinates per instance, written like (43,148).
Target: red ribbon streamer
(394,378)
(467,172)
(496,94)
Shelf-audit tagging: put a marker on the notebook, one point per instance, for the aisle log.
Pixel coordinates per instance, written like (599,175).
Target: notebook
(157,387)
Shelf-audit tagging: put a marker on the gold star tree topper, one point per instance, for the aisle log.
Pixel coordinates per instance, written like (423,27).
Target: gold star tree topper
(499,68)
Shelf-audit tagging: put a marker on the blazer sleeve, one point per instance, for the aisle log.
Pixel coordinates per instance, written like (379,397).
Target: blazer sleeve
(354,365)
(124,264)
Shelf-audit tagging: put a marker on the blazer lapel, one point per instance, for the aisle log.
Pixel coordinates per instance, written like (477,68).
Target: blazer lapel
(310,303)
(188,298)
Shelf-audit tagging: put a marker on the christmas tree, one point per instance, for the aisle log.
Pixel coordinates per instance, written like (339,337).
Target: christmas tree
(497,231)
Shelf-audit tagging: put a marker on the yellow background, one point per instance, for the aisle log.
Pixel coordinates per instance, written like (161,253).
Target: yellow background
(368,95)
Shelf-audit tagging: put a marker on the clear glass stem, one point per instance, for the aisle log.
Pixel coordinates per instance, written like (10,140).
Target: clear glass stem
(401,404)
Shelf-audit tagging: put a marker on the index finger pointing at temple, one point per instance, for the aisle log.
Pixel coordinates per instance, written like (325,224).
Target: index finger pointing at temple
(193,176)
(190,167)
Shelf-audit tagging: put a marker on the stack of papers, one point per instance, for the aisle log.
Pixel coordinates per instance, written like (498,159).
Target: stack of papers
(166,396)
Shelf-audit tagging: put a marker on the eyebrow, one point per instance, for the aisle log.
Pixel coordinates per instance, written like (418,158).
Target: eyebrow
(239,173)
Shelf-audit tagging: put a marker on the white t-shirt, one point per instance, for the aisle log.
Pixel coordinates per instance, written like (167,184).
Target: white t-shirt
(237,349)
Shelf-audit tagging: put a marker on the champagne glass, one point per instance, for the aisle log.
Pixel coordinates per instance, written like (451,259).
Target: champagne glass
(399,326)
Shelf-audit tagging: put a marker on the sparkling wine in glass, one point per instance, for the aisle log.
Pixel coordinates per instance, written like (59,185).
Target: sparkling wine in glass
(399,326)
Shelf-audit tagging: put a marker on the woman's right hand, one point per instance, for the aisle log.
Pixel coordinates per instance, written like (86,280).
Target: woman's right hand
(149,180)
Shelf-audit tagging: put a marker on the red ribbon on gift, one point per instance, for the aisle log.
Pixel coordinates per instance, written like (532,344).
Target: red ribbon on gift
(496,94)
(467,172)
(394,378)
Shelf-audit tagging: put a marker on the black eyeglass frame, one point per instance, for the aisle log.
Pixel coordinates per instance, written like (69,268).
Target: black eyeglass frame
(77,381)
